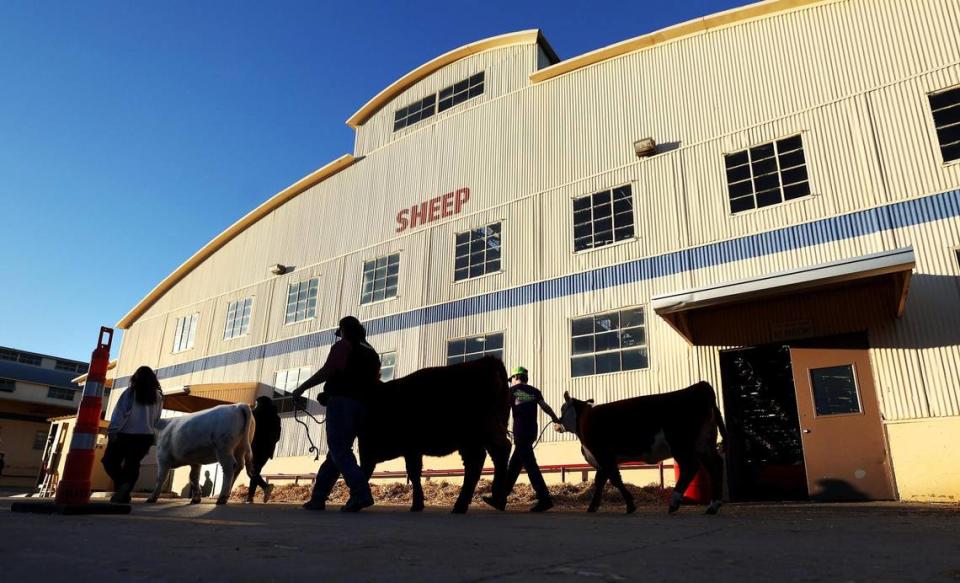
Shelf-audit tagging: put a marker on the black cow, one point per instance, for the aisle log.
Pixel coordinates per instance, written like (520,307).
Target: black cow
(435,412)
(682,425)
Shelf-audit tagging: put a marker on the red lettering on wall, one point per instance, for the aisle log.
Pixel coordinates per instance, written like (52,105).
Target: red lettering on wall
(436,208)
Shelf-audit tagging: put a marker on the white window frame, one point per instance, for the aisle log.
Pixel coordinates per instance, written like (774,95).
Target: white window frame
(185,333)
(285,381)
(309,304)
(239,314)
(485,262)
(470,90)
(52,391)
(781,188)
(640,347)
(614,227)
(482,353)
(375,284)
(392,367)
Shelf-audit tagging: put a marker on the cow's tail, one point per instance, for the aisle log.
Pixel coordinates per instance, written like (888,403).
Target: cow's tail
(249,427)
(718,418)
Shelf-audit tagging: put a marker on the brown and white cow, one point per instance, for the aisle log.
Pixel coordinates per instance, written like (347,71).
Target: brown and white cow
(220,434)
(682,425)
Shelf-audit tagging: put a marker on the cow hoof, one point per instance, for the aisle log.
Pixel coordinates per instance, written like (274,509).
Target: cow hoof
(221,501)
(713,508)
(631,509)
(673,508)
(194,501)
(151,500)
(459,509)
(417,507)
(592,509)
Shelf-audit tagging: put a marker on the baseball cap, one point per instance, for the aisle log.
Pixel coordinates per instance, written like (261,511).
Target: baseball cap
(519,371)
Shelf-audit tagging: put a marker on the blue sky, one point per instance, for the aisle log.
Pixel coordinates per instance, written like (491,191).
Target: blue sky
(132,133)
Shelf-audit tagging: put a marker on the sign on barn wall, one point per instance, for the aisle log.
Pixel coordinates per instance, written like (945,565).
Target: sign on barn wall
(428,211)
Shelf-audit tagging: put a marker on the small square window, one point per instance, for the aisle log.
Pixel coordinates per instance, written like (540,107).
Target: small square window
(766,175)
(477,252)
(467,349)
(603,218)
(945,107)
(835,390)
(608,342)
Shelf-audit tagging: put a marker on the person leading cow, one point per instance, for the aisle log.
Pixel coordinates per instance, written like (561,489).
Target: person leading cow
(525,400)
(351,372)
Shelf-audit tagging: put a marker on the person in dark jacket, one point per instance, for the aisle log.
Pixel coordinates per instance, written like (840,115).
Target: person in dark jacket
(132,431)
(351,372)
(525,399)
(265,438)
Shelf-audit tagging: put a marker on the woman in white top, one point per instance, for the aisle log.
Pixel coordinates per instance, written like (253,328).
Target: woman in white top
(132,431)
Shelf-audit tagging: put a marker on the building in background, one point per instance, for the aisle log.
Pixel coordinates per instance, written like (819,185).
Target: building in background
(765,198)
(33,388)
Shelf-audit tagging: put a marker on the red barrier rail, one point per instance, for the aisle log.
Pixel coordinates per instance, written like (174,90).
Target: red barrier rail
(562,469)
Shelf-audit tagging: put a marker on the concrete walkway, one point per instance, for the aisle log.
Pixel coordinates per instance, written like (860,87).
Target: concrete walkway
(798,542)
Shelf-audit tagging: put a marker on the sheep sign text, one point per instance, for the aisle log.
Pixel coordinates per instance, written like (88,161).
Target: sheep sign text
(436,208)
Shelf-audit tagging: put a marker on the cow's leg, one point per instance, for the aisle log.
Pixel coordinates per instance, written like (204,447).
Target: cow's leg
(500,456)
(616,480)
(195,491)
(162,470)
(713,463)
(227,462)
(473,459)
(598,485)
(414,470)
(689,466)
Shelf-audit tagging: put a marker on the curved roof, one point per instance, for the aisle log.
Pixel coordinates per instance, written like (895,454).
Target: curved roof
(684,29)
(524,37)
(232,231)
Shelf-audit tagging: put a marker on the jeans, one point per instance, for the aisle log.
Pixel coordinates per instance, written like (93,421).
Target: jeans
(122,458)
(258,462)
(523,457)
(344,416)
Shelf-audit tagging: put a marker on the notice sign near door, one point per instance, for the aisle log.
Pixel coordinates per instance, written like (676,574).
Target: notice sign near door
(791,329)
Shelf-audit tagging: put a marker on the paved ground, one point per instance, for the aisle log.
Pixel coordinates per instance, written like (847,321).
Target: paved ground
(173,541)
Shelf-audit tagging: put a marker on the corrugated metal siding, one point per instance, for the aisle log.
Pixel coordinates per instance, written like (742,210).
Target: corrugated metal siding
(850,76)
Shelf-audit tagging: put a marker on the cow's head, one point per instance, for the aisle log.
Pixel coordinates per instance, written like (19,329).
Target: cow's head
(569,412)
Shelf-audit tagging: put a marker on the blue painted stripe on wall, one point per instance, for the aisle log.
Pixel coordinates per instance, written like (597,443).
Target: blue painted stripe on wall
(850,226)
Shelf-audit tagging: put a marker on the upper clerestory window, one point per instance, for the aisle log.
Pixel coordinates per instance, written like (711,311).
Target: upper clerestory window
(428,107)
(462,91)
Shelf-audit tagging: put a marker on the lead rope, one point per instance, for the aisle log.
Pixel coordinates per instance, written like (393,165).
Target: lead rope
(296,409)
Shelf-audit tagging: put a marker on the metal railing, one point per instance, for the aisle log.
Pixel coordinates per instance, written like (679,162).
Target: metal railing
(563,469)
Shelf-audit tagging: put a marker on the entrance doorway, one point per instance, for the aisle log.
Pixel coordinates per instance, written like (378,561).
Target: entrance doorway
(804,422)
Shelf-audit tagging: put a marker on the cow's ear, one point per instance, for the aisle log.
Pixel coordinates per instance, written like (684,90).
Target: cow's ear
(590,401)
(566,396)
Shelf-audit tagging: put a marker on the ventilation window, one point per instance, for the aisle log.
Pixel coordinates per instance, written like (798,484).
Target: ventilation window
(602,218)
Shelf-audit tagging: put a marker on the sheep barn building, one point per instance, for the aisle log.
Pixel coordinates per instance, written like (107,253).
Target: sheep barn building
(767,199)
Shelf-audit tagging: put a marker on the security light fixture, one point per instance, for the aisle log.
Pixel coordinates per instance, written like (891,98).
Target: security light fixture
(645,147)
(279,269)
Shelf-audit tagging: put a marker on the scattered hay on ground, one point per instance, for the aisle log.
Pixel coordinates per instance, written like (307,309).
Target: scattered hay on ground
(444,494)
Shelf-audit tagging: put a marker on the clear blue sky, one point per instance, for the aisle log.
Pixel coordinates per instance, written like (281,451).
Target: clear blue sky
(131,133)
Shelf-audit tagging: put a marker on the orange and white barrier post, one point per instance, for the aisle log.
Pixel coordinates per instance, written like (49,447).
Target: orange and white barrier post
(74,487)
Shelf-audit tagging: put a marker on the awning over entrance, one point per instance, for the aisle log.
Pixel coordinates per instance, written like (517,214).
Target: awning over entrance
(830,298)
(192,398)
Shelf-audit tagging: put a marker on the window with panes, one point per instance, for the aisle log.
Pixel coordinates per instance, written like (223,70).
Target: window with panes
(285,383)
(945,107)
(461,91)
(8,385)
(60,393)
(238,318)
(609,342)
(603,218)
(388,366)
(415,112)
(185,333)
(767,174)
(478,252)
(301,301)
(39,440)
(467,349)
(380,277)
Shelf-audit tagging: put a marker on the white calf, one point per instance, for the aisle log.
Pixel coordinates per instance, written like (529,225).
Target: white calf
(221,434)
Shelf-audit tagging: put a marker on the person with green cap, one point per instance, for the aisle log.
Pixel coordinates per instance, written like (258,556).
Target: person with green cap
(525,400)
(351,372)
